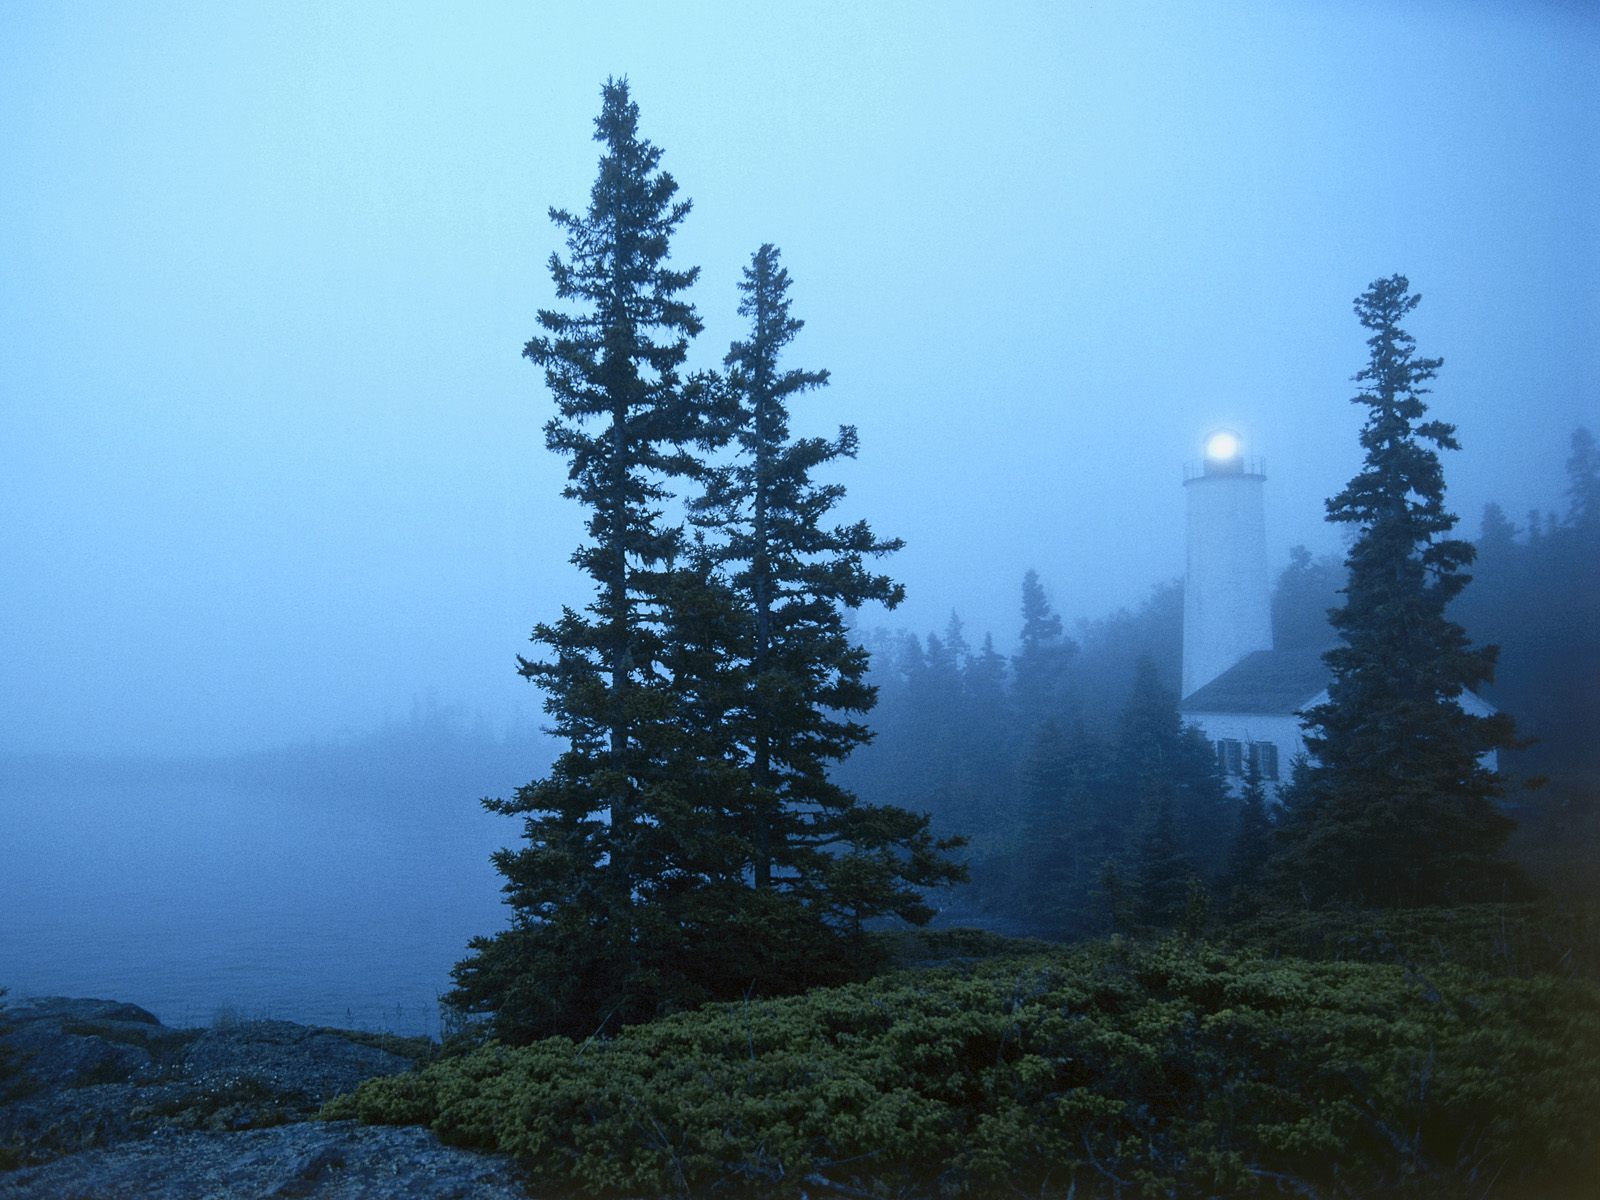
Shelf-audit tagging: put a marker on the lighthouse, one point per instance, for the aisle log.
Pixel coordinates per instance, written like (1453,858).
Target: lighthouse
(1227,609)
(1245,697)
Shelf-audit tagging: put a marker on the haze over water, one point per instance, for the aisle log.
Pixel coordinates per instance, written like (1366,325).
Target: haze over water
(201,898)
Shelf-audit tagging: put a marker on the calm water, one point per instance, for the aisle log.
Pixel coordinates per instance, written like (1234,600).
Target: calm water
(197,902)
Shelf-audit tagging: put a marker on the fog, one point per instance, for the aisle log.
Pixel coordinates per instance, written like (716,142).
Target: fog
(271,466)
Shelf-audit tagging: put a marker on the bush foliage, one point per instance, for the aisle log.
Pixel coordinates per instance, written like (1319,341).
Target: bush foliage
(1109,1069)
(1526,939)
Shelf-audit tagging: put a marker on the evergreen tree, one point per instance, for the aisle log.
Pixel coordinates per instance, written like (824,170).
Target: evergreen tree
(1538,598)
(1161,762)
(703,934)
(899,765)
(956,644)
(1583,483)
(1107,660)
(990,719)
(1571,596)
(943,687)
(1307,591)
(987,682)
(1497,535)
(1154,761)
(1147,740)
(1046,863)
(583,940)
(1162,868)
(1100,811)
(843,861)
(1205,804)
(1111,898)
(1043,654)
(1400,810)
(1252,842)
(1071,823)
(1555,642)
(942,708)
(991,726)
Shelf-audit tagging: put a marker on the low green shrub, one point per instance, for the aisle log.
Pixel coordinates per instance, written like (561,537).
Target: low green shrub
(1100,1070)
(1522,940)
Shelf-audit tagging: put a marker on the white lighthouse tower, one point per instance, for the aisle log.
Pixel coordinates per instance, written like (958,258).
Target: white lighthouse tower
(1227,610)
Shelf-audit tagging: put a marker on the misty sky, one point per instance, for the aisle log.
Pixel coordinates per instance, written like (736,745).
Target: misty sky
(270,461)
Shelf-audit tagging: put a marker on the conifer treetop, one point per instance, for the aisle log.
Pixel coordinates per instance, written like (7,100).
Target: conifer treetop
(1398,807)
(619,353)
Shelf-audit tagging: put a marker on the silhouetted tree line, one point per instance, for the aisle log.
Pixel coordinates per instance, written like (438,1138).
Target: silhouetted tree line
(1536,594)
(1086,802)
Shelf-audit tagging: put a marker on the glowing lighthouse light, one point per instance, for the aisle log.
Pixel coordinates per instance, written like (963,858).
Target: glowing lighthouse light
(1222,445)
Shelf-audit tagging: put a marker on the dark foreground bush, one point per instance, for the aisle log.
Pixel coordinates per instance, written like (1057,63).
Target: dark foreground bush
(1112,1070)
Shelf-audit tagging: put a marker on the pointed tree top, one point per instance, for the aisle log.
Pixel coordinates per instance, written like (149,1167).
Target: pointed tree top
(619,115)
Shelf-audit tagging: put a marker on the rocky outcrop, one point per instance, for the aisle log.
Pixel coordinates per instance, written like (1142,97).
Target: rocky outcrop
(107,1101)
(303,1161)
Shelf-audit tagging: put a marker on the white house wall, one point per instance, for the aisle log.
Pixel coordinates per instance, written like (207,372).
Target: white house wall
(1281,729)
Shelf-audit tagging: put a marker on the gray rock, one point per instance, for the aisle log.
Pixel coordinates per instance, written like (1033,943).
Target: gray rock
(305,1161)
(285,1059)
(79,1043)
(95,1072)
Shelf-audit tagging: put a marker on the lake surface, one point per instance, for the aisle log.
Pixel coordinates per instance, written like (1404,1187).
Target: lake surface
(200,900)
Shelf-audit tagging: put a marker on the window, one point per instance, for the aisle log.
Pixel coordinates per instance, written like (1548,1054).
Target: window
(1266,756)
(1233,754)
(1230,756)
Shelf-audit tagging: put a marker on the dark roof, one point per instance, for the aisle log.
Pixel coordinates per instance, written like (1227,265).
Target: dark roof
(1268,681)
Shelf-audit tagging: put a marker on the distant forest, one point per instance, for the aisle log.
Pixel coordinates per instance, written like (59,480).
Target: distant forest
(971,734)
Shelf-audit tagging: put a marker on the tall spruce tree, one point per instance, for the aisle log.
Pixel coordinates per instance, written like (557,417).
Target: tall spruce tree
(842,860)
(587,885)
(1040,666)
(1398,806)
